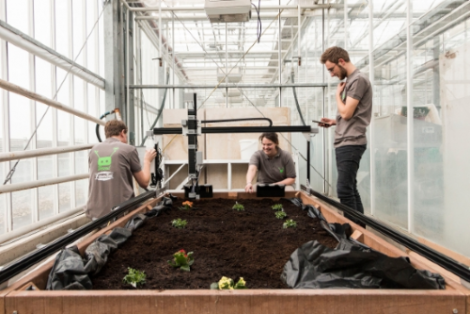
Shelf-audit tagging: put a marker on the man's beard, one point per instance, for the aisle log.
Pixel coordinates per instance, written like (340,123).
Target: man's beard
(342,73)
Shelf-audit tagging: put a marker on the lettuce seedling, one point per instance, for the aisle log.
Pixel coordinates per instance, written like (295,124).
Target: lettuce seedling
(226,283)
(238,207)
(277,207)
(280,214)
(179,223)
(134,277)
(186,205)
(289,224)
(182,260)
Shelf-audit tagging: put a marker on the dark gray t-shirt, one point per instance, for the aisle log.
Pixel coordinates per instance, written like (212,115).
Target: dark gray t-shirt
(272,170)
(353,131)
(111,166)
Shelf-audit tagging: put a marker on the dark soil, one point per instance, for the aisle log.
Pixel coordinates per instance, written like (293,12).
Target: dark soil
(251,244)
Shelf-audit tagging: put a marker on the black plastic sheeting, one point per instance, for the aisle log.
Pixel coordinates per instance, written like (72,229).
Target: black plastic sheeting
(351,264)
(71,271)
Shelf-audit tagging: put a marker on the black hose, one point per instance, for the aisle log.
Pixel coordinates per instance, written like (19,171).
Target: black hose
(297,101)
(97,129)
(233,120)
(160,110)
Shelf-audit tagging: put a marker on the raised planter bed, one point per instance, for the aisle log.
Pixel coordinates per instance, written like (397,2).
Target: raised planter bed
(454,299)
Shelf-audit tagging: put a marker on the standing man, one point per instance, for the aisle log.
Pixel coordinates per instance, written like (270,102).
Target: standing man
(354,102)
(112,164)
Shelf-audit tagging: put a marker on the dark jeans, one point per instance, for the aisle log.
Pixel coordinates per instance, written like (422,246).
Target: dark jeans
(347,162)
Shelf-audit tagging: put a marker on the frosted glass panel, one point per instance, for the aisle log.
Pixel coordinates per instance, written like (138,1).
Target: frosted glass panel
(46,201)
(21,208)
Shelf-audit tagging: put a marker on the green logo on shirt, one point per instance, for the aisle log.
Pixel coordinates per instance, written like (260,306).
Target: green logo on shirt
(104,163)
(281,170)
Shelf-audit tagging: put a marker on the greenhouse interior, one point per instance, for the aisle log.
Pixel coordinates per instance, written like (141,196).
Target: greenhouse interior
(200,87)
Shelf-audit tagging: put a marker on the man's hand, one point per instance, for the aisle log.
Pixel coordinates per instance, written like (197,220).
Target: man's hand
(340,88)
(249,188)
(150,155)
(327,122)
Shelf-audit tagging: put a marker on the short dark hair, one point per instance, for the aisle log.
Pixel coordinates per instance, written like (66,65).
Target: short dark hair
(114,128)
(270,136)
(333,54)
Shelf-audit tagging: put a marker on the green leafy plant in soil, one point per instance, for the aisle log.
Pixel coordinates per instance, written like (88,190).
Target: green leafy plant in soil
(280,214)
(182,260)
(277,207)
(289,223)
(238,207)
(179,223)
(134,277)
(226,283)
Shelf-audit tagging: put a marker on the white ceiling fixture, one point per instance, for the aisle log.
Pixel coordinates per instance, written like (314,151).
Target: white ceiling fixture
(227,11)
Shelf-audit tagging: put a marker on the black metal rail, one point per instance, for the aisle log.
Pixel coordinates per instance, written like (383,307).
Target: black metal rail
(42,253)
(239,129)
(434,256)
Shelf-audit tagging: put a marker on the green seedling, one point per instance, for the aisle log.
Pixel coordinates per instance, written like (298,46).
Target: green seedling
(226,283)
(182,260)
(134,277)
(238,207)
(277,207)
(280,214)
(289,223)
(179,223)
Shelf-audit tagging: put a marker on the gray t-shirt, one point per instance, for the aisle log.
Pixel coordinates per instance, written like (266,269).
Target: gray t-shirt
(111,166)
(353,131)
(272,170)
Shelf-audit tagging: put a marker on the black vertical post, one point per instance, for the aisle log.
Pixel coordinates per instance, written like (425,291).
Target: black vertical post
(192,138)
(308,162)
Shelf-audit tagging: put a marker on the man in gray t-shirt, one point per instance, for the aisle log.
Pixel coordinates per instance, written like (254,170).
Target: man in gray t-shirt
(354,103)
(112,165)
(274,165)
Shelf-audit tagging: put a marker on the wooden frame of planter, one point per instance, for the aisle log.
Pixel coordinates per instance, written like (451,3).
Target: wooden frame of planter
(454,299)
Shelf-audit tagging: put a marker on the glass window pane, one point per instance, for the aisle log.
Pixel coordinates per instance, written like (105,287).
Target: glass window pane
(62,27)
(65,190)
(44,87)
(81,192)
(42,22)
(79,104)
(78,36)
(2,212)
(21,208)
(46,202)
(64,164)
(91,16)
(17,14)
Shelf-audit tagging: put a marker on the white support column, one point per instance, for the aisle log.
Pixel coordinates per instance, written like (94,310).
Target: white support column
(279,44)
(345,24)
(229,173)
(33,144)
(372,122)
(71,187)
(409,118)
(54,85)
(226,64)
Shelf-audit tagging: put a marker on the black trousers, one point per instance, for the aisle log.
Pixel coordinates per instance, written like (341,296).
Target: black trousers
(347,163)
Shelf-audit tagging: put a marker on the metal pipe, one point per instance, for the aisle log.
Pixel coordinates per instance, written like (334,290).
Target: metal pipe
(409,118)
(241,129)
(42,253)
(372,123)
(42,223)
(23,41)
(42,152)
(31,185)
(229,86)
(265,8)
(28,94)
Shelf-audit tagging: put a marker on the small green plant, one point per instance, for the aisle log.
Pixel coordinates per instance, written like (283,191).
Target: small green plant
(289,223)
(238,207)
(182,260)
(226,283)
(277,207)
(134,277)
(280,214)
(179,223)
(186,205)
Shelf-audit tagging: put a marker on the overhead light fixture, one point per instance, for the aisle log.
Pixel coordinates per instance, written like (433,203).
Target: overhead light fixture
(228,11)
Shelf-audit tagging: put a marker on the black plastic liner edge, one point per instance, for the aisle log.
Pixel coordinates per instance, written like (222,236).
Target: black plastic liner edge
(434,256)
(37,256)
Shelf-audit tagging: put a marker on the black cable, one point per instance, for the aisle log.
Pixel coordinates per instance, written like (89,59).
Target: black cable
(258,25)
(244,119)
(434,256)
(297,101)
(160,110)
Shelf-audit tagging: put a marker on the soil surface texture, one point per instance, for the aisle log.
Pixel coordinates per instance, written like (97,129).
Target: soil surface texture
(251,244)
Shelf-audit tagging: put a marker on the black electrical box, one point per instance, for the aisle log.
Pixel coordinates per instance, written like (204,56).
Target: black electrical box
(270,190)
(204,191)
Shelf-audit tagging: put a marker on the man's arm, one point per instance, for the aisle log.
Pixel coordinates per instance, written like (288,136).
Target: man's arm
(346,109)
(143,177)
(250,175)
(287,181)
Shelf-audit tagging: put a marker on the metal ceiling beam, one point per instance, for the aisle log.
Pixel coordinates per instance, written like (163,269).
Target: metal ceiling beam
(228,86)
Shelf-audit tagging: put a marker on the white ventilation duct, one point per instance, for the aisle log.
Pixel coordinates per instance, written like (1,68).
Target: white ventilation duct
(227,11)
